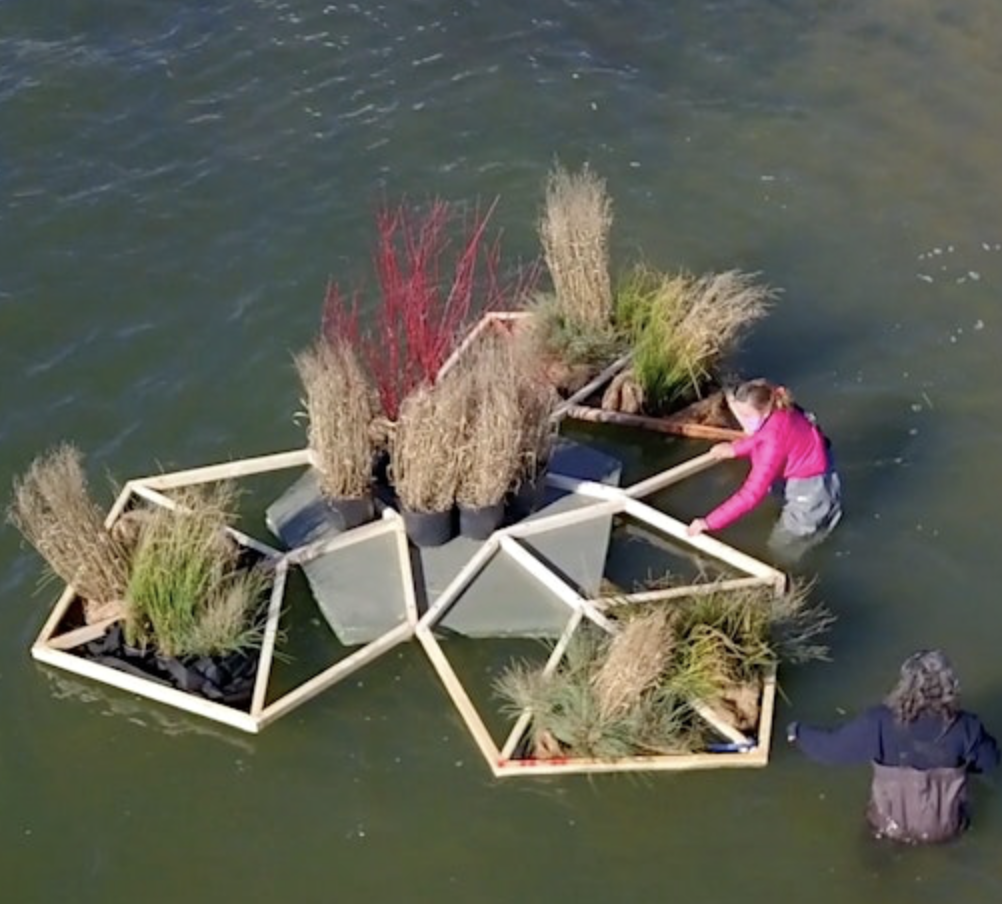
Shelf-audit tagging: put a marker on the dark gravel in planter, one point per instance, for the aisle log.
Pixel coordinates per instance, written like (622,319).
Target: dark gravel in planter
(225,679)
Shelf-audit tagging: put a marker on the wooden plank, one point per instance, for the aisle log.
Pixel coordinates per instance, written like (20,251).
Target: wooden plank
(590,488)
(246,540)
(710,545)
(719,724)
(660,763)
(229,470)
(458,584)
(333,674)
(672,475)
(120,503)
(406,572)
(82,635)
(454,688)
(767,714)
(303,554)
(59,610)
(565,407)
(554,584)
(657,424)
(537,525)
(665,594)
(267,653)
(557,654)
(486,322)
(150,690)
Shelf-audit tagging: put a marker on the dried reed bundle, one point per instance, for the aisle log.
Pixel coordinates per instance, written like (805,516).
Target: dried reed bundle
(492,444)
(341,405)
(53,510)
(574,231)
(426,451)
(634,663)
(537,400)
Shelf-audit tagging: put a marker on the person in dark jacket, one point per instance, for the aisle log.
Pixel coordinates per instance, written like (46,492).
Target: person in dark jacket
(922,747)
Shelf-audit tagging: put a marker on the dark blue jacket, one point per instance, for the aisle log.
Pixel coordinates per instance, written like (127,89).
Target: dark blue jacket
(875,736)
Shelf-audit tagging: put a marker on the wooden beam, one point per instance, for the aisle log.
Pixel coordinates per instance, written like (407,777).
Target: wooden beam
(657,424)
(656,763)
(304,554)
(454,688)
(719,724)
(57,614)
(767,714)
(142,687)
(591,488)
(267,652)
(709,545)
(79,636)
(542,523)
(665,594)
(672,475)
(119,505)
(229,470)
(406,572)
(557,654)
(569,404)
(333,674)
(456,586)
(484,323)
(554,584)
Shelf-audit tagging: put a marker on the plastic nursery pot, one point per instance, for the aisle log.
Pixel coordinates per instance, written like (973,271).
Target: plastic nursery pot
(479,523)
(429,528)
(351,512)
(526,498)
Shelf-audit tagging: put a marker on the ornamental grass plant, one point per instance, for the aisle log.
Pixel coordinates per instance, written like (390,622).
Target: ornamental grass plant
(54,511)
(341,406)
(680,327)
(188,591)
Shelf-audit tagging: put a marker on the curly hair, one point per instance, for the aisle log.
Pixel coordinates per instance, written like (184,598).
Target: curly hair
(927,686)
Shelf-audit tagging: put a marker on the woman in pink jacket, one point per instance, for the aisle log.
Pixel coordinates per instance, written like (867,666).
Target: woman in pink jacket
(787,450)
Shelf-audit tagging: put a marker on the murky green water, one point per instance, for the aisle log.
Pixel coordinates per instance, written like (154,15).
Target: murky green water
(178,180)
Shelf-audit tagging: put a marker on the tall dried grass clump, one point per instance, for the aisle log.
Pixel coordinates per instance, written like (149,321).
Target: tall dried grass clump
(341,407)
(634,663)
(574,232)
(491,447)
(426,446)
(53,510)
(681,326)
(537,400)
(188,593)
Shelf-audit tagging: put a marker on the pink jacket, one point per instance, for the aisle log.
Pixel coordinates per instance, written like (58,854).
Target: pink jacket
(787,445)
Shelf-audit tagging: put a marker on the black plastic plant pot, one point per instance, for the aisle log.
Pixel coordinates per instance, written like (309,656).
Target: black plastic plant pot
(479,523)
(348,513)
(429,528)
(527,498)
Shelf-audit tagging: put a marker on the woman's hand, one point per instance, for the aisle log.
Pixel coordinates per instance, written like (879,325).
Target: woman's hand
(696,527)
(722,450)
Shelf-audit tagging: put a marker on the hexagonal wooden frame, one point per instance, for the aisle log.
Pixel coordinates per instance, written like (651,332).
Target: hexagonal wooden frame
(745,752)
(55,649)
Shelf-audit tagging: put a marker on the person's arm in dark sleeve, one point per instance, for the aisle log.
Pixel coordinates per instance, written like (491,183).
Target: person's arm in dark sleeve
(856,741)
(983,751)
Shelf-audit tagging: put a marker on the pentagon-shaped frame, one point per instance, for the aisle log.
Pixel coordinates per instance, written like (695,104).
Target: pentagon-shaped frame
(744,751)
(55,649)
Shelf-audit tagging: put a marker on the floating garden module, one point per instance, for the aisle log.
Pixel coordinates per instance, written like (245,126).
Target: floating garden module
(575,627)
